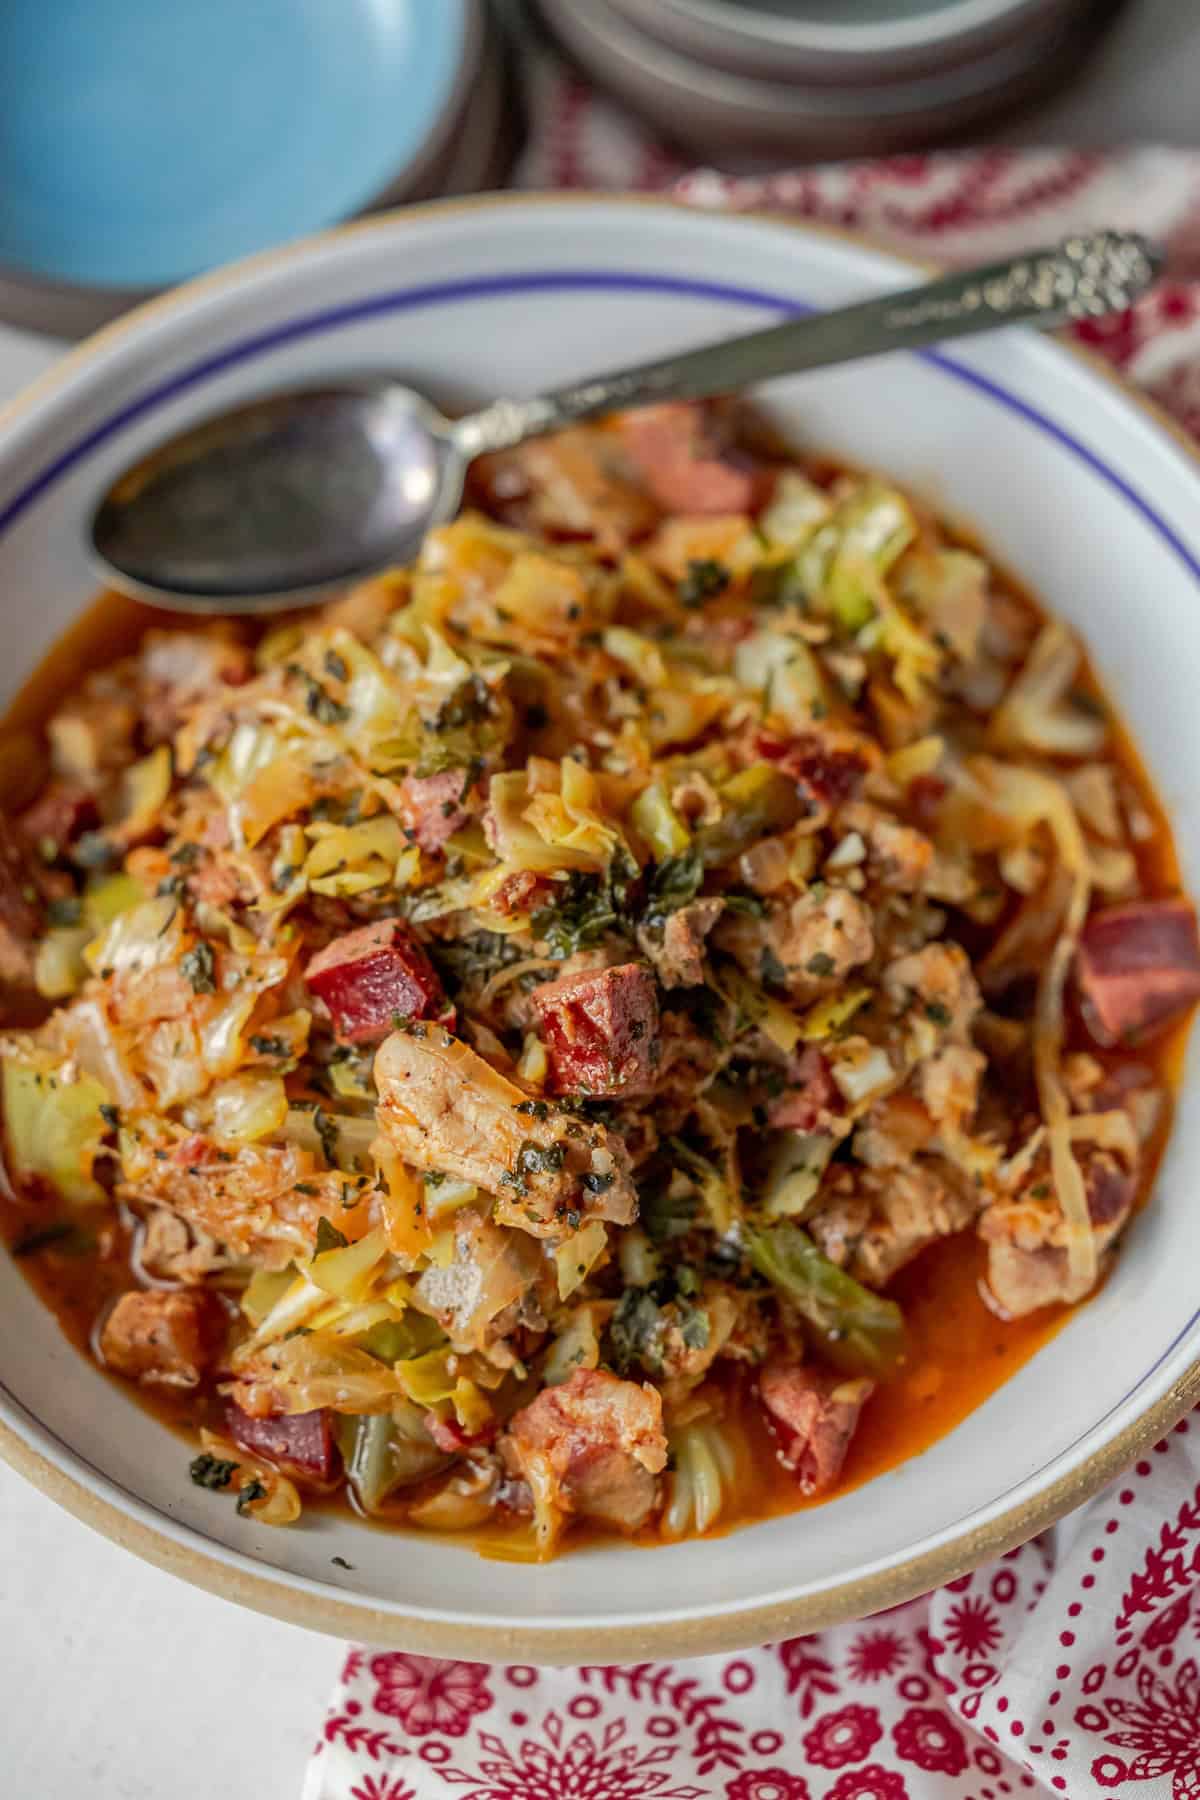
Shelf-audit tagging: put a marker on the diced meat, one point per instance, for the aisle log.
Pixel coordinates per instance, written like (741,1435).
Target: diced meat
(441,1106)
(1028,1261)
(591,1446)
(61,811)
(815,1415)
(600,1030)
(811,1091)
(808,947)
(435,807)
(898,857)
(678,951)
(165,1338)
(371,977)
(937,985)
(1138,968)
(678,451)
(829,770)
(873,1221)
(298,1444)
(20,918)
(263,1203)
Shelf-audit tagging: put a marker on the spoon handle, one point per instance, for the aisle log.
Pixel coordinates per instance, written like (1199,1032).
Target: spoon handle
(1084,277)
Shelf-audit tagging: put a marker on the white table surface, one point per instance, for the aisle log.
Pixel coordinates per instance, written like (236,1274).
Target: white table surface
(120,1683)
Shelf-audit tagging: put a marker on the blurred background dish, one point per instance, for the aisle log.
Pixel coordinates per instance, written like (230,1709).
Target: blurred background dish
(826,40)
(711,105)
(145,143)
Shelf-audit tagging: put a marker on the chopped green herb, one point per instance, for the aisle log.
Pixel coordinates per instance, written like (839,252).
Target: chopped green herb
(634,1329)
(704,580)
(335,665)
(329,1237)
(247,1495)
(937,1013)
(820,964)
(269,1046)
(110,1115)
(198,967)
(327,1131)
(211,1471)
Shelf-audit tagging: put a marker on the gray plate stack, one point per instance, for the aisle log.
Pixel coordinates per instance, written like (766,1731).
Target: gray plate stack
(824,78)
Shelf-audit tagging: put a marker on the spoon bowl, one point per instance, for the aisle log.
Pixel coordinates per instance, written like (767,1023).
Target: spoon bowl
(277,503)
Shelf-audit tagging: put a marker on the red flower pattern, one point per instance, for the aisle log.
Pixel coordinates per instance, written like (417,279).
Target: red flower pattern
(767,1784)
(586,1766)
(428,1695)
(972,1628)
(843,1737)
(1163,1726)
(929,1739)
(872,1782)
(381,1787)
(875,1655)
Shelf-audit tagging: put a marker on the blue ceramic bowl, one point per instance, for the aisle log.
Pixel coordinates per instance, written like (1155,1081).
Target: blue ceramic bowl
(142,141)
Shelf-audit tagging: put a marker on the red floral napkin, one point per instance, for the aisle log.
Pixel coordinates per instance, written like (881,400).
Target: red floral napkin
(1069,1667)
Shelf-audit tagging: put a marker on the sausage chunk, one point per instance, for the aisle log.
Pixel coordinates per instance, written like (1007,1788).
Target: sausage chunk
(1138,968)
(601,1030)
(298,1444)
(372,976)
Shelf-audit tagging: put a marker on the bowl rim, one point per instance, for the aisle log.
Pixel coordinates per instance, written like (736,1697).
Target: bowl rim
(938,28)
(294,1601)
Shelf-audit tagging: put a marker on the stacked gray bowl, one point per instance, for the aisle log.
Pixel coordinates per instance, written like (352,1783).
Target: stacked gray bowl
(824,77)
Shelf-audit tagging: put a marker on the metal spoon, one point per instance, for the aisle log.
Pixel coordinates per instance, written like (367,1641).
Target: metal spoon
(276,503)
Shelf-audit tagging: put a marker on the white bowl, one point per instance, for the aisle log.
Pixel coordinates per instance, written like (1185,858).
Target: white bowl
(1079,488)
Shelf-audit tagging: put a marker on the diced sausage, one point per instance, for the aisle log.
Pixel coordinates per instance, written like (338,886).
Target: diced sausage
(815,1415)
(371,977)
(600,1030)
(1138,968)
(678,453)
(442,1106)
(434,807)
(811,1090)
(593,1446)
(164,1338)
(298,1444)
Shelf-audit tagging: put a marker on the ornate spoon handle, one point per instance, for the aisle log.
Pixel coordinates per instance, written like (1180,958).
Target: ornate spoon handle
(1084,277)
